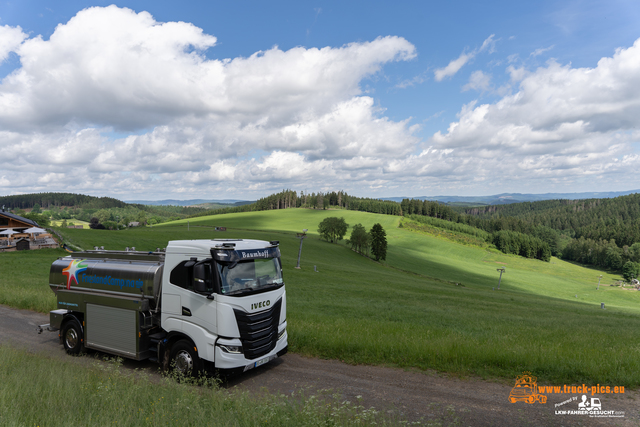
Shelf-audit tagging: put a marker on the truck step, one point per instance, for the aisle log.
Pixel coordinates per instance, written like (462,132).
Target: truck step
(157,337)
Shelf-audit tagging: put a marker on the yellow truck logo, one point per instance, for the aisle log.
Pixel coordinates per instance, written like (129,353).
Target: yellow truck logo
(526,390)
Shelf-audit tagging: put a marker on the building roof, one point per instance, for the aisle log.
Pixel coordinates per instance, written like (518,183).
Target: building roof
(18,218)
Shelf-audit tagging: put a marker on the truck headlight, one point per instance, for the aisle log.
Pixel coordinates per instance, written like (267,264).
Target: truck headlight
(233,349)
(282,334)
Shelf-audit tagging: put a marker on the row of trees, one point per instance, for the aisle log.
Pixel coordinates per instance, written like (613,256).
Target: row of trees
(48,200)
(601,253)
(334,229)
(512,242)
(385,207)
(375,240)
(433,209)
(289,199)
(597,219)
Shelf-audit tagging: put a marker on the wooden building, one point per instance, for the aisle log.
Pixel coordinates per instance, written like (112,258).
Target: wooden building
(16,222)
(23,244)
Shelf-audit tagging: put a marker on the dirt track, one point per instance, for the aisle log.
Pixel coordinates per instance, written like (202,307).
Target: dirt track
(415,396)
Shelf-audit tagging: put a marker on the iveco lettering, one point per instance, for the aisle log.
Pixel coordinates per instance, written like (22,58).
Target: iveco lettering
(198,305)
(261,304)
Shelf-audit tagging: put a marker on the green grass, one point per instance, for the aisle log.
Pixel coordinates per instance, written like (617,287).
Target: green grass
(25,277)
(431,305)
(58,223)
(40,391)
(443,233)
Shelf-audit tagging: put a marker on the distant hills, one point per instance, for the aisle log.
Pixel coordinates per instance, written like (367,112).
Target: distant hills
(190,202)
(496,199)
(507,198)
(27,201)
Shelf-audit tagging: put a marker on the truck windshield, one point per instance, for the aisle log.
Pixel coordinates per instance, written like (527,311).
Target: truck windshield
(250,276)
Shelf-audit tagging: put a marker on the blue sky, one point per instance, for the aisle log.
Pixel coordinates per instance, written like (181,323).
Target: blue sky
(241,99)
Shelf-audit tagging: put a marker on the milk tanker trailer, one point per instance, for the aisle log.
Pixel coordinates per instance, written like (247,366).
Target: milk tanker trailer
(199,305)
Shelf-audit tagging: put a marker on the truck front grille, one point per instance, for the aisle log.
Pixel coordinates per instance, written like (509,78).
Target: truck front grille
(258,331)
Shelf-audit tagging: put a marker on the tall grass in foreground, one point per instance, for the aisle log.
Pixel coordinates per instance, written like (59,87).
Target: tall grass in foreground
(40,391)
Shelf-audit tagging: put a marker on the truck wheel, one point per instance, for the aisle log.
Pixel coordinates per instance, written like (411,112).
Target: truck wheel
(184,358)
(72,338)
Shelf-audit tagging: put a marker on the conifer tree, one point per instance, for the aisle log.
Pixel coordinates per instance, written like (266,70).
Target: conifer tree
(378,242)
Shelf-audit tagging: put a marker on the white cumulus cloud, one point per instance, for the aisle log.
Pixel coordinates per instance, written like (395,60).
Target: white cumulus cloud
(10,40)
(190,117)
(456,64)
(563,123)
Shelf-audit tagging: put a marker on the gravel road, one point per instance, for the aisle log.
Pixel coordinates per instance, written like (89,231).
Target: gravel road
(415,396)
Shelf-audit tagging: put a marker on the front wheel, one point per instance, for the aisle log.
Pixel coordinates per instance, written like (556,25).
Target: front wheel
(72,337)
(184,359)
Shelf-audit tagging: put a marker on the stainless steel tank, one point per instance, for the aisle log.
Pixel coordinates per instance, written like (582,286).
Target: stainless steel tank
(131,273)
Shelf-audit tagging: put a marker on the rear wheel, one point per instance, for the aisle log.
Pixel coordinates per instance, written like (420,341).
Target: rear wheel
(72,337)
(184,358)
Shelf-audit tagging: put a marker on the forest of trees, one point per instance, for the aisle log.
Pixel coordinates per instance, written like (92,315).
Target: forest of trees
(510,235)
(110,212)
(597,219)
(289,199)
(48,200)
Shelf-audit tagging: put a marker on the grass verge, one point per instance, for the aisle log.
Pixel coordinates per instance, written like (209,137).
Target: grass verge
(66,394)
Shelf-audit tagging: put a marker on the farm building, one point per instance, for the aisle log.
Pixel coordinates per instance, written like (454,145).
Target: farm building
(12,221)
(18,233)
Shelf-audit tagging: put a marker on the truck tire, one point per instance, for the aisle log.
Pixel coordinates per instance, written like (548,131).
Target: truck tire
(184,360)
(72,338)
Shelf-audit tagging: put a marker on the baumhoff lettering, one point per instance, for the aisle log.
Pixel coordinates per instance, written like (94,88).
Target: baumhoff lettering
(260,304)
(256,254)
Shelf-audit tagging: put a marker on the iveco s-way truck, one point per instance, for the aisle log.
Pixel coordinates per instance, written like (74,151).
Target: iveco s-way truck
(199,305)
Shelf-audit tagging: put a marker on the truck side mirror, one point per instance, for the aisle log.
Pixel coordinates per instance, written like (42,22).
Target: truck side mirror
(199,276)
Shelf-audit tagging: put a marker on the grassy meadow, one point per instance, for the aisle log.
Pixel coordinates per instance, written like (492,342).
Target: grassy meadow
(430,305)
(58,223)
(44,391)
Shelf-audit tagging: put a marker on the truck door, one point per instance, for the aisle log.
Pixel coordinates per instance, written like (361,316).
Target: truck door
(187,299)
